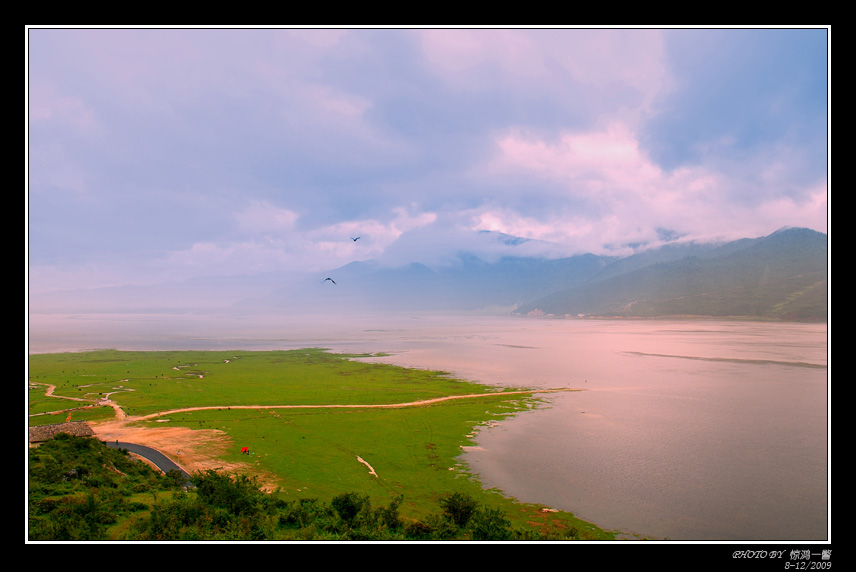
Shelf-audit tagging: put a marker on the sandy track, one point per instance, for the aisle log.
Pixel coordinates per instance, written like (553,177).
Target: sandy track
(202,449)
(352,406)
(191,449)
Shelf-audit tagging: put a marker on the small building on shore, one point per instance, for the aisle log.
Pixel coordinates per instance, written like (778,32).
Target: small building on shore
(42,433)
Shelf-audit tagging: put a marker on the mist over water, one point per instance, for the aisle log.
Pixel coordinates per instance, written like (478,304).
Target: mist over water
(686,429)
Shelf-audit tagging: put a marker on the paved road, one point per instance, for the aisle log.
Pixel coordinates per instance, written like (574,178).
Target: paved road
(159,459)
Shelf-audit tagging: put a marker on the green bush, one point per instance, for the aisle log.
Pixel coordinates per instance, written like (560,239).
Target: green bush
(349,505)
(458,507)
(79,488)
(304,513)
(239,495)
(490,524)
(388,516)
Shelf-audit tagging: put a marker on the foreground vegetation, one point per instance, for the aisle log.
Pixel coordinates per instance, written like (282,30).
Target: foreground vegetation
(315,459)
(81,490)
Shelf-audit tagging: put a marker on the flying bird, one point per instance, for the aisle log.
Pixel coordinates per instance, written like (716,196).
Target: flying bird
(355,239)
(330,279)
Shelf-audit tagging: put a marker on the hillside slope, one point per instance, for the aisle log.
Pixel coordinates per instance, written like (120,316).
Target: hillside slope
(780,276)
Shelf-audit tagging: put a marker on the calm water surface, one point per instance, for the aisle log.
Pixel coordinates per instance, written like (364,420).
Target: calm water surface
(686,429)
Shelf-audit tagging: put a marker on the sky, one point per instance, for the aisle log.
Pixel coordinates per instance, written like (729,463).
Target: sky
(164,154)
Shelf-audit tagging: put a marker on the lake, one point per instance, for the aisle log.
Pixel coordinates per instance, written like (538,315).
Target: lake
(684,430)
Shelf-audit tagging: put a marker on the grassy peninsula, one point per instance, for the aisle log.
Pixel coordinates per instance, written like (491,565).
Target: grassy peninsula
(321,430)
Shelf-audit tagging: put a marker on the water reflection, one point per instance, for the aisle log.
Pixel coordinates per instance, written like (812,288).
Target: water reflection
(702,430)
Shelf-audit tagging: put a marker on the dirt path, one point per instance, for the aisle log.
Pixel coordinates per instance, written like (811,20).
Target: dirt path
(49,392)
(352,406)
(202,449)
(191,449)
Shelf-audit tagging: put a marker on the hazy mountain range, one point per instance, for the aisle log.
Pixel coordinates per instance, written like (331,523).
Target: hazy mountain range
(780,276)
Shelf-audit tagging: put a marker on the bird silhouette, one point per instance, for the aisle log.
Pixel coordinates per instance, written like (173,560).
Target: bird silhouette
(356,239)
(330,279)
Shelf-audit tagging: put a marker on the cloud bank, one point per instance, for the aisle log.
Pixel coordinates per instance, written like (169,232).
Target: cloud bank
(167,154)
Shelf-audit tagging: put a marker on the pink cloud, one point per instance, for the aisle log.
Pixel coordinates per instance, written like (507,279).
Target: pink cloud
(600,59)
(627,196)
(593,163)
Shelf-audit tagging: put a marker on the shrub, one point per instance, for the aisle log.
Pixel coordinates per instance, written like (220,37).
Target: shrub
(303,513)
(349,505)
(239,495)
(388,516)
(458,507)
(417,531)
(490,524)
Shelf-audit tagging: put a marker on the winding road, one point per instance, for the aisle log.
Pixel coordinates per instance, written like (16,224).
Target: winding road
(165,464)
(160,460)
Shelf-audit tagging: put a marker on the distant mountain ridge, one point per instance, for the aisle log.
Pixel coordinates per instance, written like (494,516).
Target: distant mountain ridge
(783,276)
(469,284)
(780,276)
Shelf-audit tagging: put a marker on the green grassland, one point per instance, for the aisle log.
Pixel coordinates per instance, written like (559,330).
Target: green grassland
(150,382)
(313,453)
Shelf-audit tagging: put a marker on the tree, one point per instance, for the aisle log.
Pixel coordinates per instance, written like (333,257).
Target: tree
(490,524)
(240,496)
(349,505)
(458,507)
(389,516)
